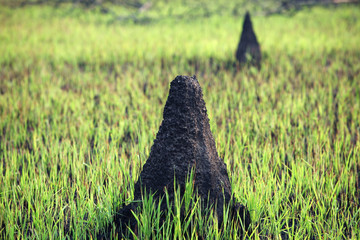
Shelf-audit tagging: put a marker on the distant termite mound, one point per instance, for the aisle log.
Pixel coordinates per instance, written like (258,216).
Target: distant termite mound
(184,142)
(248,50)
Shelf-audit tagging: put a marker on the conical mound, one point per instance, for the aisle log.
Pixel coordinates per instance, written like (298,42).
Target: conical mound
(248,48)
(184,142)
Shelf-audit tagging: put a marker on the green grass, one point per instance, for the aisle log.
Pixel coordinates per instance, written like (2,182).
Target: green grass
(81,100)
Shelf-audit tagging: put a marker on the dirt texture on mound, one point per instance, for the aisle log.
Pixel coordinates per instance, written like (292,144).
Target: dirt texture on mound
(184,141)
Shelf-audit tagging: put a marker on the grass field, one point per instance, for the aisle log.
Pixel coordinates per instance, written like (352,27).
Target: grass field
(81,100)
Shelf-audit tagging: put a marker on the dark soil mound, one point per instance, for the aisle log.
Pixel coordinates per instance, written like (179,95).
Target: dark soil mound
(184,141)
(248,50)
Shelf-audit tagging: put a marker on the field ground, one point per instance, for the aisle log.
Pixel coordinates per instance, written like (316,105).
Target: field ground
(81,100)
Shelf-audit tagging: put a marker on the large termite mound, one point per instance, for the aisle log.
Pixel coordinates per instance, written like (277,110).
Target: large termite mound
(184,142)
(248,50)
